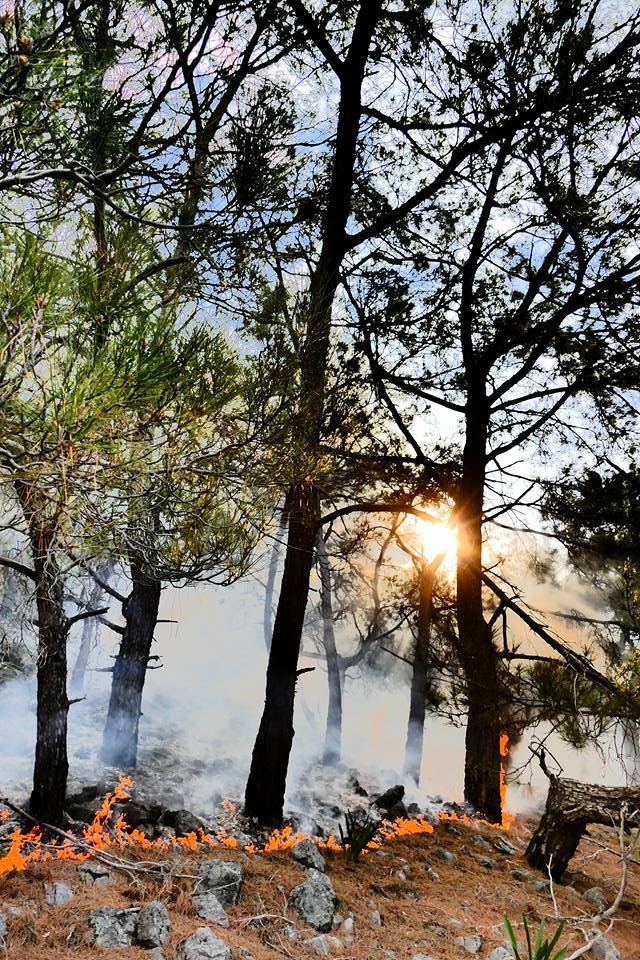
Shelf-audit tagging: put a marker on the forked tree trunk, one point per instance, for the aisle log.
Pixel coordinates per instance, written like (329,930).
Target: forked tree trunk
(571,806)
(475,643)
(140,610)
(420,673)
(51,765)
(333,734)
(264,794)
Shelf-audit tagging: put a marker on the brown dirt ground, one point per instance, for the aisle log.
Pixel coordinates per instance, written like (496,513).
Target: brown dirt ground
(465,891)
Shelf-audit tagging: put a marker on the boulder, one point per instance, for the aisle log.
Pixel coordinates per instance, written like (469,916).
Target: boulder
(57,894)
(604,949)
(94,873)
(203,945)
(113,927)
(390,797)
(153,926)
(472,944)
(315,901)
(182,821)
(221,877)
(209,908)
(306,853)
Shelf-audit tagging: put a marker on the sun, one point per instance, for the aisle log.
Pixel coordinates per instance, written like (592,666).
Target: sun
(437,538)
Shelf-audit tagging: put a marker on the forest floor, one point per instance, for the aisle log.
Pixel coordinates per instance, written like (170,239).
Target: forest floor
(425,900)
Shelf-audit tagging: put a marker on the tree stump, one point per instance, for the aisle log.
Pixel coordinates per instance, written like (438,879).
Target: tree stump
(571,806)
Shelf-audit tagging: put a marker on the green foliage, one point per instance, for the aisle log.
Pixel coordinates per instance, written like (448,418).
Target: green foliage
(357,834)
(542,948)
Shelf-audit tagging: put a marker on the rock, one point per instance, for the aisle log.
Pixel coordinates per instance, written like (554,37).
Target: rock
(292,932)
(209,908)
(397,811)
(3,926)
(203,945)
(324,945)
(57,894)
(346,927)
(486,862)
(542,886)
(307,854)
(414,810)
(357,787)
(501,953)
(113,927)
(456,924)
(521,875)
(315,901)
(138,814)
(604,949)
(445,855)
(472,944)
(222,877)
(94,873)
(595,895)
(182,821)
(449,828)
(503,846)
(375,918)
(153,926)
(390,797)
(421,956)
(156,954)
(480,841)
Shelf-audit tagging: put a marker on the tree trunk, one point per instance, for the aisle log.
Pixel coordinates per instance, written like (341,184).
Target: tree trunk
(420,673)
(51,765)
(264,795)
(475,642)
(89,635)
(333,734)
(140,610)
(571,806)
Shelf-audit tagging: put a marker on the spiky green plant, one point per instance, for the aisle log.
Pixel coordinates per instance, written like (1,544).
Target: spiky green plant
(543,948)
(357,834)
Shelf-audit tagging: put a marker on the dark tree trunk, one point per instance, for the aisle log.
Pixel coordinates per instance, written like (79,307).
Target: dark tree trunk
(475,642)
(571,806)
(420,674)
(140,610)
(89,635)
(51,765)
(333,734)
(264,795)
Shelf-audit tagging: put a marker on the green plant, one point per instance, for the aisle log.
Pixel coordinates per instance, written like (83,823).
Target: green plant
(357,834)
(543,948)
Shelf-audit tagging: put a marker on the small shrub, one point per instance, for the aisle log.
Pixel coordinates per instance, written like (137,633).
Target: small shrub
(356,834)
(543,948)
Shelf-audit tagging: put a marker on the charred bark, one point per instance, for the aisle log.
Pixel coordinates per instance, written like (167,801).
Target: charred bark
(570,807)
(475,643)
(264,796)
(333,733)
(140,610)
(420,673)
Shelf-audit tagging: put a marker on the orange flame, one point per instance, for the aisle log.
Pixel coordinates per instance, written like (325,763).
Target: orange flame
(507,818)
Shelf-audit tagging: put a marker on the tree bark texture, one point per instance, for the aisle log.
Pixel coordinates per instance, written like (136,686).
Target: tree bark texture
(333,734)
(140,610)
(570,807)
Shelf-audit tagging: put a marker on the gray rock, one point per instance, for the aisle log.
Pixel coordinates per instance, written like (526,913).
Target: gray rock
(222,877)
(500,953)
(375,917)
(209,908)
(521,875)
(113,927)
(3,926)
(421,956)
(346,927)
(57,894)
(472,944)
(486,862)
(456,924)
(292,932)
(323,945)
(94,873)
(307,854)
(503,846)
(203,945)
(153,926)
(390,797)
(604,949)
(445,855)
(156,954)
(542,886)
(315,901)
(595,895)
(449,828)
(480,841)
